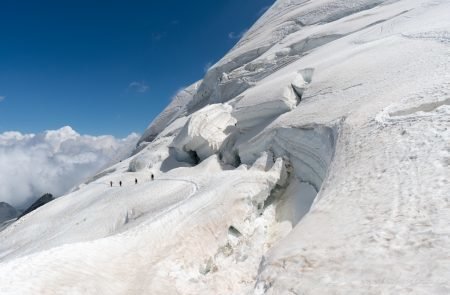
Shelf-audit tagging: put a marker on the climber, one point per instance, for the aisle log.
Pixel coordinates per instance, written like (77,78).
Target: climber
(153,177)
(110,183)
(135,181)
(120,183)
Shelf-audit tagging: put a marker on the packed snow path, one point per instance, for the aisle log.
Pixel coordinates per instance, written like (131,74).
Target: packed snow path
(319,149)
(128,206)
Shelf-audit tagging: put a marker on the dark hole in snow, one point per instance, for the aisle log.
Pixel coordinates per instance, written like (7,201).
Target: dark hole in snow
(298,94)
(235,160)
(234,232)
(230,157)
(194,157)
(300,89)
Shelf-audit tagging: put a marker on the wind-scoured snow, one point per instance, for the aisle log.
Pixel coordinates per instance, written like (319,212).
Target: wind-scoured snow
(312,159)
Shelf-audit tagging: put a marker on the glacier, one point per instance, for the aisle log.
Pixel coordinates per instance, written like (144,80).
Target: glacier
(313,158)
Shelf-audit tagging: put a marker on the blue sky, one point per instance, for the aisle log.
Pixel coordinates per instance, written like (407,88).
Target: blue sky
(108,67)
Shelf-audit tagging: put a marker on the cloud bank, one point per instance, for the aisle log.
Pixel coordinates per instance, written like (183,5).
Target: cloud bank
(233,35)
(140,87)
(53,161)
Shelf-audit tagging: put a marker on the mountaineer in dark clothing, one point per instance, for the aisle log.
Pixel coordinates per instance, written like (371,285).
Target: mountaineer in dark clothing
(120,183)
(110,183)
(135,181)
(153,177)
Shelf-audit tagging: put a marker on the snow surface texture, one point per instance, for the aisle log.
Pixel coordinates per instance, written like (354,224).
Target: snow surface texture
(312,159)
(53,161)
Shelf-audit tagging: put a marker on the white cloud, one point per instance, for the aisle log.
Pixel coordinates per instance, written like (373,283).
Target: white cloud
(207,66)
(140,87)
(54,161)
(263,10)
(233,35)
(2,98)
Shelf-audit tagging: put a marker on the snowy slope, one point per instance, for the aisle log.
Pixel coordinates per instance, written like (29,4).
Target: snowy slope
(312,159)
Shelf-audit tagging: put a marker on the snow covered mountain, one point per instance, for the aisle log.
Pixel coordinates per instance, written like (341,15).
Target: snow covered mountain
(312,159)
(7,212)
